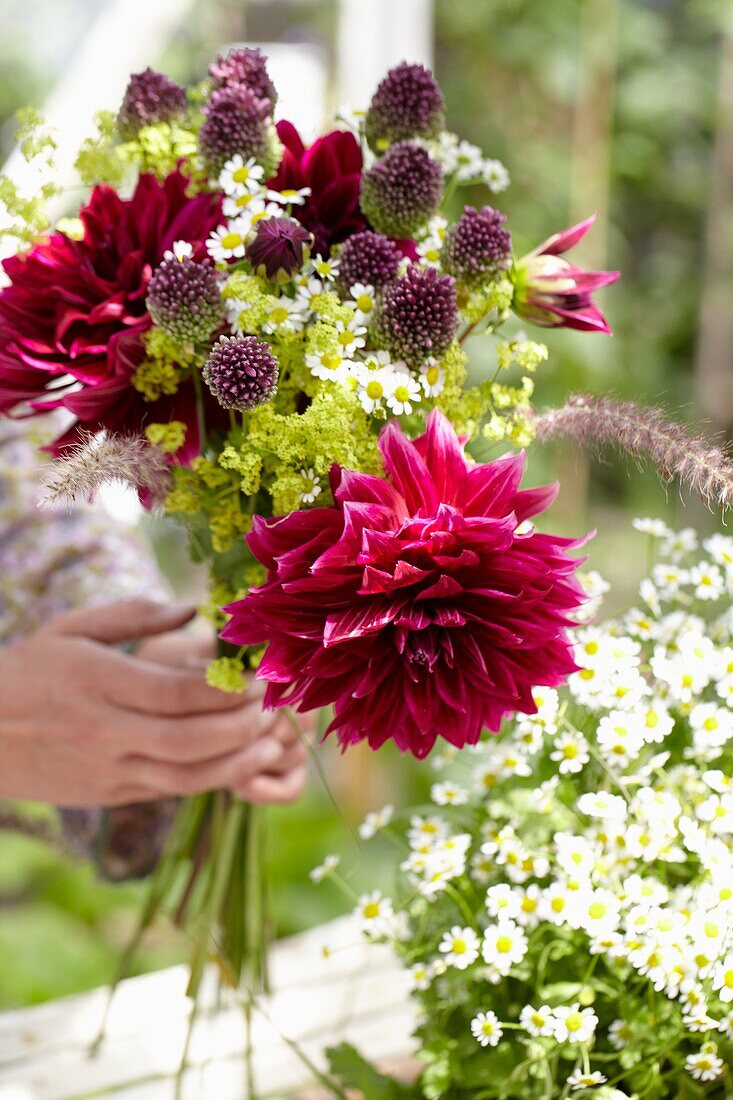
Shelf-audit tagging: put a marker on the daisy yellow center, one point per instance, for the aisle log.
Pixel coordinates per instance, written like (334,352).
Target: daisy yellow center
(488,1028)
(231,240)
(710,724)
(241,175)
(537,1020)
(289,193)
(652,720)
(529,905)
(346,338)
(574,1021)
(244,200)
(371,910)
(331,362)
(432,374)
(711,929)
(597,910)
(364,303)
(459,947)
(279,314)
(504,944)
(374,390)
(557,905)
(591,647)
(729,979)
(570,751)
(402,393)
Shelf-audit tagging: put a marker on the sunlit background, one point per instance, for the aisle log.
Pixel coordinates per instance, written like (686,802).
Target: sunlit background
(623,107)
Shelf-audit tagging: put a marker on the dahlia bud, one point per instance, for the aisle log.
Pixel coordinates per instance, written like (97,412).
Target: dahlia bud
(476,247)
(244,67)
(236,121)
(402,190)
(407,104)
(150,98)
(417,316)
(279,248)
(370,259)
(241,372)
(184,299)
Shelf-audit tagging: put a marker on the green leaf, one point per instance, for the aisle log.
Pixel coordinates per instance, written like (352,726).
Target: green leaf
(353,1071)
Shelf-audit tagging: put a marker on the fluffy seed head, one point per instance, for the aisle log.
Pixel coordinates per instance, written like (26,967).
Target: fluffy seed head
(402,190)
(279,248)
(477,247)
(150,97)
(241,372)
(102,459)
(184,299)
(236,122)
(417,315)
(368,258)
(244,67)
(407,104)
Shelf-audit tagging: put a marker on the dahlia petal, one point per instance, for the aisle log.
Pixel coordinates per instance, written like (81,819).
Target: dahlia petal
(354,622)
(566,238)
(408,470)
(444,457)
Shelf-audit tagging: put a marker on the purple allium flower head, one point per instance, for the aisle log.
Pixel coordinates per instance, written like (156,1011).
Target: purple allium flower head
(402,190)
(150,97)
(244,67)
(477,247)
(368,258)
(279,248)
(417,315)
(407,104)
(184,299)
(236,122)
(241,372)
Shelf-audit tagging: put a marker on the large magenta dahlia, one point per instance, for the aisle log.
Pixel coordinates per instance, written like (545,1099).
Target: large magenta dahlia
(74,313)
(419,606)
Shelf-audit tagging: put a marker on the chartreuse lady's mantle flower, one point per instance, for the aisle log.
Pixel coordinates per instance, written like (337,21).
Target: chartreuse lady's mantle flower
(418,606)
(553,292)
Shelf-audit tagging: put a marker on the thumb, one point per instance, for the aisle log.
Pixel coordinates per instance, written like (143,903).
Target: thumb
(125,621)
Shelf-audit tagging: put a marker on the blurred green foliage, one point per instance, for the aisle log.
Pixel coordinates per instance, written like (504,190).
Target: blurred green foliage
(607,105)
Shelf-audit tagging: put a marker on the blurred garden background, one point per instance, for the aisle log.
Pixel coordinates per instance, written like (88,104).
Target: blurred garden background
(623,107)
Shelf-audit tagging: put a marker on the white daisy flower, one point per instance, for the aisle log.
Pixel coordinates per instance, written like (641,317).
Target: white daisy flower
(181,250)
(459,947)
(375,913)
(620,1034)
(239,176)
(330,366)
(227,242)
(486,1029)
(363,299)
(420,975)
(581,1080)
(504,945)
(574,1024)
(330,863)
(312,487)
(570,753)
(448,794)
(289,197)
(656,528)
(327,270)
(539,1022)
(704,1066)
(432,378)
(373,822)
(405,392)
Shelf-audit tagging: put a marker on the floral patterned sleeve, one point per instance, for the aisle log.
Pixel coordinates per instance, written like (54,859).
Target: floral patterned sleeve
(55,559)
(52,560)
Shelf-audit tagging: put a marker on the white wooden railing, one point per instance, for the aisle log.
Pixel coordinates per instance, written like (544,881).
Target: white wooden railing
(357,993)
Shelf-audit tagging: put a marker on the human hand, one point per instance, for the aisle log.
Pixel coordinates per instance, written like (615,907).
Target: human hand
(83,724)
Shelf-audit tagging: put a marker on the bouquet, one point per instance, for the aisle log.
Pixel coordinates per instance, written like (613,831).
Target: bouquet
(268,341)
(564,903)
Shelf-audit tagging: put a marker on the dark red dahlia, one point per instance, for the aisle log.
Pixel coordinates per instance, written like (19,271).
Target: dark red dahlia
(418,607)
(331,167)
(73,316)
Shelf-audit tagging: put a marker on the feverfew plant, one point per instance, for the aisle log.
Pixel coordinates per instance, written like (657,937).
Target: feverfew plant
(567,923)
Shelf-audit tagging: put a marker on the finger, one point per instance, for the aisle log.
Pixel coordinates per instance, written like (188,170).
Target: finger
(222,773)
(182,649)
(274,790)
(191,739)
(144,688)
(124,621)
